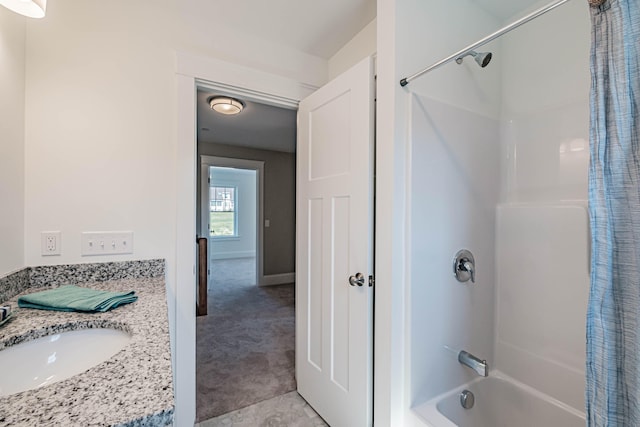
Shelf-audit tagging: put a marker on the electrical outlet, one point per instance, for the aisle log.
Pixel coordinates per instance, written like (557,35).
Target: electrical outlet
(106,243)
(51,243)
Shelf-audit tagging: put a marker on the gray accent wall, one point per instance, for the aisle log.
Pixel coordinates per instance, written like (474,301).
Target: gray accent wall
(279,201)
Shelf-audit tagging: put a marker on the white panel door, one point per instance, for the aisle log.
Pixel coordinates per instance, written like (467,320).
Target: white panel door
(334,319)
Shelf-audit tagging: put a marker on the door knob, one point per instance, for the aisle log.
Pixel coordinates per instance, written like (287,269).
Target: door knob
(357,280)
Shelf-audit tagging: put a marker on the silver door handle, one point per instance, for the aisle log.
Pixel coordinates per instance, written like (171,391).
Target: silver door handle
(357,280)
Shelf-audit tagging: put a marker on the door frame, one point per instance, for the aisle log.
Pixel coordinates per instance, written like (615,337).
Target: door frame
(391,172)
(194,71)
(228,162)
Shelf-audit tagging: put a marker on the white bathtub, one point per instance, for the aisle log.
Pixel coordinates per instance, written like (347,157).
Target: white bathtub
(500,401)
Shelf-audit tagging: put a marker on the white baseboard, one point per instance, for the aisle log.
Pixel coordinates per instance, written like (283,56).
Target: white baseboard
(232,255)
(277,279)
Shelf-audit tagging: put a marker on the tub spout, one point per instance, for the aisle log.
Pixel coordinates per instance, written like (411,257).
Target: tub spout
(480,366)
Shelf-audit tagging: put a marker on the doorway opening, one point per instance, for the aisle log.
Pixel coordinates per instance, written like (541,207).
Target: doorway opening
(245,345)
(230,216)
(285,92)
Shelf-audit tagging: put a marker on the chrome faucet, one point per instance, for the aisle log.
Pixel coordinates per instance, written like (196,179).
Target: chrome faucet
(480,366)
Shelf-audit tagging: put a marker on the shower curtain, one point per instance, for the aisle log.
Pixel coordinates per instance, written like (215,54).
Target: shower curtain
(613,317)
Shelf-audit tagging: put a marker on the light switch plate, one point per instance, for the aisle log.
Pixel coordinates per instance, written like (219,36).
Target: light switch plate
(106,243)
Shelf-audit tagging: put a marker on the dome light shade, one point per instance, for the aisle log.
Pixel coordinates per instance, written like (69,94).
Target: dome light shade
(28,8)
(225,105)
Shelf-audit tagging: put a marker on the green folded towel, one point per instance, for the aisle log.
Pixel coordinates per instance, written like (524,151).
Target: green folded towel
(75,298)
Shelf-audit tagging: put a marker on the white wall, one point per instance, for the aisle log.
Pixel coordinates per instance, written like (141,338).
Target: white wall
(100,130)
(102,159)
(244,245)
(100,126)
(542,224)
(100,138)
(12,82)
(361,46)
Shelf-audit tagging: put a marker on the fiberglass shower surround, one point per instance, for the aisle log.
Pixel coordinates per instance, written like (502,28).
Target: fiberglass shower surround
(510,141)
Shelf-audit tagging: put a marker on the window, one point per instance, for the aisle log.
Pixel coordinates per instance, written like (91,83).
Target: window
(222,212)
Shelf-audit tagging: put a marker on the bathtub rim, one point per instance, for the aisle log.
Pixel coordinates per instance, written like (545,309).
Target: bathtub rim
(428,412)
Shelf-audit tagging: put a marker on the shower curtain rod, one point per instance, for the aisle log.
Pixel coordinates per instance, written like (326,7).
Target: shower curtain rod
(485,40)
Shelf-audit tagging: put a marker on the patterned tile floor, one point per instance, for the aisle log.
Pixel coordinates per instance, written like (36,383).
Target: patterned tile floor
(288,410)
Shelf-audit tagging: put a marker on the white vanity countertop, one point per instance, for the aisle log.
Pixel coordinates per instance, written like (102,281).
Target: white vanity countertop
(132,388)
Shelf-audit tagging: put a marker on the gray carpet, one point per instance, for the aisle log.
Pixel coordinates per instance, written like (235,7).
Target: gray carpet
(245,346)
(227,273)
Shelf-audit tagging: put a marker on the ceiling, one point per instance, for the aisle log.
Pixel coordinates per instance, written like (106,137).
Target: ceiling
(319,28)
(258,126)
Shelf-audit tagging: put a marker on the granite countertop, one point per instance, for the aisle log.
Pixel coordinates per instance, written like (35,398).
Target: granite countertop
(132,388)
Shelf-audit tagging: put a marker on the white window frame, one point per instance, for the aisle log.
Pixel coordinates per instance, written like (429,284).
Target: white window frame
(236,231)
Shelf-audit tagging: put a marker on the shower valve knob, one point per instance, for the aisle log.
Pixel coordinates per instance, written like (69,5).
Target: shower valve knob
(464,266)
(468,266)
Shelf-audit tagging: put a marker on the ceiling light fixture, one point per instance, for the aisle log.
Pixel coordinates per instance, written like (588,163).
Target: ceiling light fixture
(28,8)
(226,105)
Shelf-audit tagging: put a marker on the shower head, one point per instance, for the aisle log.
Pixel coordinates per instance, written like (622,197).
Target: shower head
(482,58)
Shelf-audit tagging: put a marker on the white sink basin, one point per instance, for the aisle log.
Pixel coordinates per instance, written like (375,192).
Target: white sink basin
(53,358)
